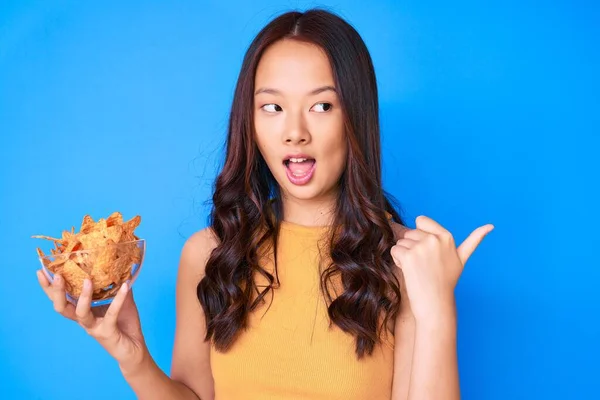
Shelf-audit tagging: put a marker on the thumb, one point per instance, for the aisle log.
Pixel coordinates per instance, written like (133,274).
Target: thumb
(466,249)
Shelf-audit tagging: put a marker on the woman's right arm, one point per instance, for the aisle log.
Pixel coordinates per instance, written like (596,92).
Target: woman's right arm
(191,376)
(149,382)
(119,332)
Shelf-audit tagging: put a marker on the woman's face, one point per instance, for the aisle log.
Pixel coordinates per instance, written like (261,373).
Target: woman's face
(298,120)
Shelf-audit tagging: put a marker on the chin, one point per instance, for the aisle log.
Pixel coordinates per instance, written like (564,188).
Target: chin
(311,191)
(303,194)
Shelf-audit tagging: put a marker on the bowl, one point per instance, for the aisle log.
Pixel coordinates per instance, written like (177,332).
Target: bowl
(107,266)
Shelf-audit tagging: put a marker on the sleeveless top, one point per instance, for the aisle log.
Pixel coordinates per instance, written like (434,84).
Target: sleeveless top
(290,350)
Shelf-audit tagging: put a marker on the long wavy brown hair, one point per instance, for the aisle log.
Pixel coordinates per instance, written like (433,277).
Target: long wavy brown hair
(247,210)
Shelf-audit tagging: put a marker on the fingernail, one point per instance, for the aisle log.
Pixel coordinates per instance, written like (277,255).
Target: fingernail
(87,284)
(57,279)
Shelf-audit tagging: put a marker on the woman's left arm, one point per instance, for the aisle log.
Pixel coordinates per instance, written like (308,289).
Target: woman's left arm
(404,340)
(434,373)
(425,355)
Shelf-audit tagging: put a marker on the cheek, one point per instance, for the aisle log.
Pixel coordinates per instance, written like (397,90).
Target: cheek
(334,149)
(341,158)
(264,139)
(266,149)
(267,126)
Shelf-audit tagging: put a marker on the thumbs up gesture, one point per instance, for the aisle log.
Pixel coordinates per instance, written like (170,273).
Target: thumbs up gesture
(431,264)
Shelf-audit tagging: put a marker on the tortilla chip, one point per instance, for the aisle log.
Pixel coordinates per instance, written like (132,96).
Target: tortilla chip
(74,277)
(92,240)
(55,240)
(87,225)
(74,245)
(114,233)
(115,218)
(102,269)
(98,251)
(130,226)
(58,261)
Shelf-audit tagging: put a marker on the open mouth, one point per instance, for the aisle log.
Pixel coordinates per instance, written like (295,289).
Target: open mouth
(299,169)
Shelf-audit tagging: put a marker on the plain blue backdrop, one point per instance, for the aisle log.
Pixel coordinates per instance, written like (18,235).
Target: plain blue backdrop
(490,113)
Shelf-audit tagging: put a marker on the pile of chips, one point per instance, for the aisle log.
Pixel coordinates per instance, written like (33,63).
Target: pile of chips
(105,252)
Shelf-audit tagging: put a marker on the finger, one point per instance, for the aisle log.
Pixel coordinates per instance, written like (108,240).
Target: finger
(44,283)
(63,307)
(415,234)
(407,243)
(110,318)
(429,225)
(83,310)
(398,253)
(466,249)
(57,293)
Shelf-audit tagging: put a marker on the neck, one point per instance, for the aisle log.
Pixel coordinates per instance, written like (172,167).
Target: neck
(313,212)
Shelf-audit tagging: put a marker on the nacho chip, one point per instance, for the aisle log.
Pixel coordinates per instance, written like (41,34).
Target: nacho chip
(92,240)
(87,225)
(100,226)
(129,227)
(74,277)
(74,245)
(68,236)
(42,256)
(123,266)
(102,270)
(99,251)
(114,233)
(59,260)
(55,240)
(115,218)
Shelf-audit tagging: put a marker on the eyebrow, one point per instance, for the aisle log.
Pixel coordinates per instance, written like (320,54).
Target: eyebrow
(312,93)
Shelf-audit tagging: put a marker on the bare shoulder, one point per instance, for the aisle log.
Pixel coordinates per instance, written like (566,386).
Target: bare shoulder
(196,251)
(191,354)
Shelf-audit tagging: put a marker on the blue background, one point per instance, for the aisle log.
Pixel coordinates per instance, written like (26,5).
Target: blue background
(490,113)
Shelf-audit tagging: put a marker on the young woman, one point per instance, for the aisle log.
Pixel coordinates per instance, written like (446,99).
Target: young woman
(306,284)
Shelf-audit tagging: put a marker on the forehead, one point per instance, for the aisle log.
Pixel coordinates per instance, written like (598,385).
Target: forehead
(293,67)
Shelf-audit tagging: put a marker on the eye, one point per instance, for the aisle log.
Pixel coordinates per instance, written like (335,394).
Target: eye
(271,108)
(323,107)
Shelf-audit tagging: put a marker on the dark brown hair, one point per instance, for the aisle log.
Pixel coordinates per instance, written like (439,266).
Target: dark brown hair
(247,211)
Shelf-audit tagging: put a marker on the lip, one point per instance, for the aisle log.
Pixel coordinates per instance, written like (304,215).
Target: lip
(297,155)
(300,180)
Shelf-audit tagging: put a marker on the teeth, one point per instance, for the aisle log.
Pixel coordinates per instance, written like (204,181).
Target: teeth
(298,160)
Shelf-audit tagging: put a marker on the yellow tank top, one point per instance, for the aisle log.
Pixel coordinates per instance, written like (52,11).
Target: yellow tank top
(289,351)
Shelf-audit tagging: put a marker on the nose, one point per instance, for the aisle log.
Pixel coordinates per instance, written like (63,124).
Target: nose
(295,130)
